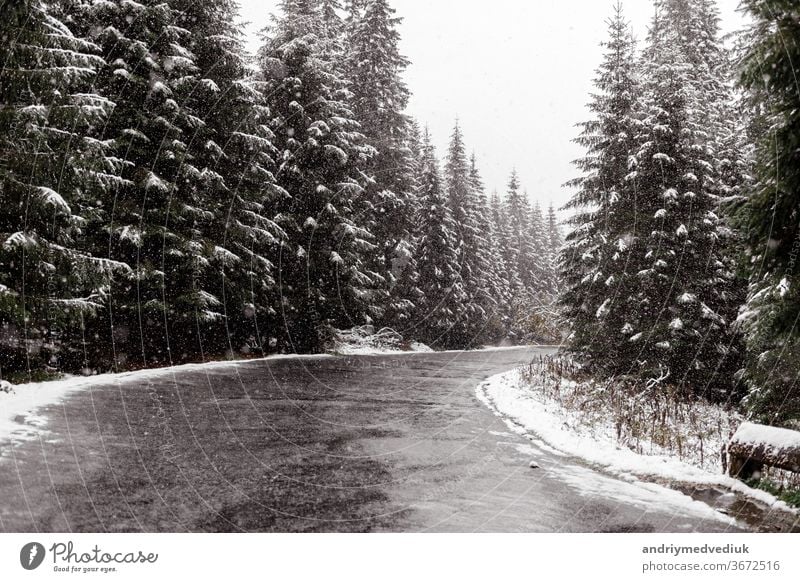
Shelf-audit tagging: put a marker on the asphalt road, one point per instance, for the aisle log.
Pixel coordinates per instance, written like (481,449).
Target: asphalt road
(373,443)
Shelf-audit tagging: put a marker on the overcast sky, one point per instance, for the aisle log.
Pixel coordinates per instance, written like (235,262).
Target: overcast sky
(516,73)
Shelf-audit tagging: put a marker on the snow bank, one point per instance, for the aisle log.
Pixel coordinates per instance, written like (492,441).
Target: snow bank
(19,405)
(18,418)
(365,341)
(515,402)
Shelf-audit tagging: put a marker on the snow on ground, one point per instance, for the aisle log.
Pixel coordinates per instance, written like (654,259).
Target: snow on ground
(365,341)
(19,408)
(516,402)
(366,350)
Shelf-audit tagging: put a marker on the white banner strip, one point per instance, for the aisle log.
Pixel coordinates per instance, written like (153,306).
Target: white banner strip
(378,557)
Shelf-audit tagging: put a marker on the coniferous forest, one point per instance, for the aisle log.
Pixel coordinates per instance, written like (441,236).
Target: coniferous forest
(168,197)
(680,268)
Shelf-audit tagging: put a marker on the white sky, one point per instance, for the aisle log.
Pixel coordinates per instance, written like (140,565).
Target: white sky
(517,74)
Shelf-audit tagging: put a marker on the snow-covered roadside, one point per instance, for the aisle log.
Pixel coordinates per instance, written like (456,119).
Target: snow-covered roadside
(364,340)
(366,350)
(515,402)
(420,348)
(19,417)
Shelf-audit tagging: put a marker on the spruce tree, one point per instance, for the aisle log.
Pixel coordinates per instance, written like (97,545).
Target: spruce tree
(507,277)
(404,292)
(595,263)
(684,295)
(54,177)
(553,243)
(770,219)
(322,264)
(495,292)
(544,288)
(510,259)
(441,305)
(464,207)
(520,252)
(232,150)
(374,69)
(153,222)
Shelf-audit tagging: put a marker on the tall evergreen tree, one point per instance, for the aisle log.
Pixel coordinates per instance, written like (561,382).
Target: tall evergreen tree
(464,206)
(495,289)
(233,153)
(540,261)
(520,252)
(153,223)
(323,277)
(770,219)
(53,177)
(554,242)
(441,306)
(595,262)
(374,69)
(404,292)
(685,290)
(508,278)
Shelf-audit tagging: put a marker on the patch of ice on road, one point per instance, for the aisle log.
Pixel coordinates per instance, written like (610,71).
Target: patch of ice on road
(507,395)
(19,418)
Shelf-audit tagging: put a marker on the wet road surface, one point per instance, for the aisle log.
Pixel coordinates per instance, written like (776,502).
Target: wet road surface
(368,443)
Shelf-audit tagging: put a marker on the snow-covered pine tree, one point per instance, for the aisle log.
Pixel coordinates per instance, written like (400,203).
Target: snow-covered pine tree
(519,257)
(374,69)
(233,153)
(464,207)
(441,305)
(404,293)
(53,178)
(506,278)
(699,40)
(554,242)
(684,298)
(520,246)
(770,220)
(502,234)
(152,222)
(535,313)
(594,263)
(321,155)
(545,288)
(333,29)
(496,294)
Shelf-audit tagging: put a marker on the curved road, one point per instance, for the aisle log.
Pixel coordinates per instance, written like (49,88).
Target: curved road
(373,443)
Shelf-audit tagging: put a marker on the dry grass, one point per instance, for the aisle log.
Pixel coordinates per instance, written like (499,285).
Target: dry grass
(658,419)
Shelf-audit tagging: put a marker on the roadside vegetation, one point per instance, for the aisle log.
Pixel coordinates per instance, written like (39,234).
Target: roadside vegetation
(647,418)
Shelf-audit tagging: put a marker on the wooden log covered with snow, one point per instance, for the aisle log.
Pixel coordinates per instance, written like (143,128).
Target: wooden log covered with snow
(756,445)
